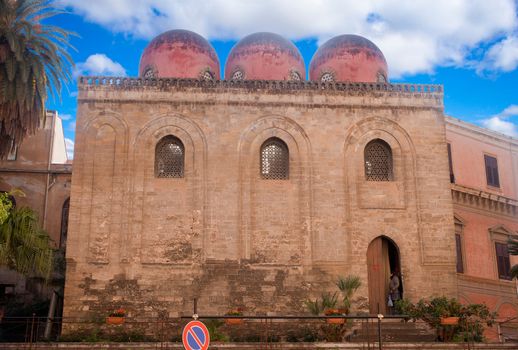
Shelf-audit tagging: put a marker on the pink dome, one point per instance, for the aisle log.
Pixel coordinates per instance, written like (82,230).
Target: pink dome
(349,58)
(265,56)
(179,54)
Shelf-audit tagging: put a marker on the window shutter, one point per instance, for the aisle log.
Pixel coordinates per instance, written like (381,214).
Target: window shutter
(502,261)
(450,164)
(491,171)
(460,262)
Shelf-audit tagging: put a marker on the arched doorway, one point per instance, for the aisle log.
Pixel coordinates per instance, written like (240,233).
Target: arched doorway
(382,259)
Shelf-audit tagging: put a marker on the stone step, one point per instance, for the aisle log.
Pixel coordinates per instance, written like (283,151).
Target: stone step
(393,332)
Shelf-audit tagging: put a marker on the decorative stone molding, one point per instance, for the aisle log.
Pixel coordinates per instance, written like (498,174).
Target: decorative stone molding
(484,200)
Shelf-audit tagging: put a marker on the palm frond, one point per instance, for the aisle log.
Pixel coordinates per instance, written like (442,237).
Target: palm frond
(24,246)
(34,63)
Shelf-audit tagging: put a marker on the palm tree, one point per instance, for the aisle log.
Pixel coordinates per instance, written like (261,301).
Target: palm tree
(33,62)
(347,286)
(24,246)
(513,250)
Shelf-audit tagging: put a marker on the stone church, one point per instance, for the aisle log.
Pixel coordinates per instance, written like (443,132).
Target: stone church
(259,189)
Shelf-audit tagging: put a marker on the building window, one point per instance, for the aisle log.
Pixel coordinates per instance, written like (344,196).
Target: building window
(502,261)
(206,75)
(458,245)
(327,78)
(378,161)
(64,223)
(169,157)
(381,78)
(450,164)
(150,73)
(459,226)
(275,160)
(491,171)
(295,76)
(238,75)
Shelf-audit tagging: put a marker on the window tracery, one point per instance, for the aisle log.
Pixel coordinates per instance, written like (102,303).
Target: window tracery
(169,158)
(378,161)
(238,75)
(327,78)
(274,160)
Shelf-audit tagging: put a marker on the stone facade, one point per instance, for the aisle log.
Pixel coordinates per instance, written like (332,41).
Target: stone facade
(41,170)
(225,235)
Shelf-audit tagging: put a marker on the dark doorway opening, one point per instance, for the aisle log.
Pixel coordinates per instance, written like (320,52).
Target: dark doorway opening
(382,259)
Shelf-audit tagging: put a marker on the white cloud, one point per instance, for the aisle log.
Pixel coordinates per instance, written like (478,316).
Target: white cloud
(416,36)
(503,56)
(99,64)
(65,116)
(69,144)
(500,122)
(510,111)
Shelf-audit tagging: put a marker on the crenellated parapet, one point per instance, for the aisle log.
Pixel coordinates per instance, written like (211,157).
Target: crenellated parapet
(279,85)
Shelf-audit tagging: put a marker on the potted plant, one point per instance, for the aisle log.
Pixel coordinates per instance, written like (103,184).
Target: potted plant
(234,312)
(449,320)
(116,317)
(335,312)
(329,307)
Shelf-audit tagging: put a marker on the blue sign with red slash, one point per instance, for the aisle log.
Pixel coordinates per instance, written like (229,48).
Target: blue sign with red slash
(195,336)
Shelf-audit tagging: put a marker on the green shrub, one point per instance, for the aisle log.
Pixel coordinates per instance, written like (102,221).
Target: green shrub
(472,317)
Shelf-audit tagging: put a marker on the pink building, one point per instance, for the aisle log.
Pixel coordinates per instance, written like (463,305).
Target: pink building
(484,177)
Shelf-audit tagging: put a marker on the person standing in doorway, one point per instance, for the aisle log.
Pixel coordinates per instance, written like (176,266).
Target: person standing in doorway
(394,289)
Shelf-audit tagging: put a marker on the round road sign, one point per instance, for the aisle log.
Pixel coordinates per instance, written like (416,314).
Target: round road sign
(195,336)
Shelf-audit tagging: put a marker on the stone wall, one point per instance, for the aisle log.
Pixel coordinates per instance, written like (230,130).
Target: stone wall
(224,235)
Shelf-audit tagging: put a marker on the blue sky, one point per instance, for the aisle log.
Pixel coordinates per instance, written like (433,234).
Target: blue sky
(469,46)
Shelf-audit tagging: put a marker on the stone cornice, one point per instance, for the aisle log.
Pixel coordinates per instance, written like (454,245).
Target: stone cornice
(260,93)
(475,131)
(484,200)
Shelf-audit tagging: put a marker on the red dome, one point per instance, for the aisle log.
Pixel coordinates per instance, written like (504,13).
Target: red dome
(349,58)
(265,56)
(179,54)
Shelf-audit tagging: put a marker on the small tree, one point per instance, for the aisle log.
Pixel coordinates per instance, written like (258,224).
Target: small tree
(470,326)
(24,246)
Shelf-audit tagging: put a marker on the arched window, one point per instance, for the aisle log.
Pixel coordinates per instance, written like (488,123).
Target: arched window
(169,157)
(64,223)
(275,160)
(378,161)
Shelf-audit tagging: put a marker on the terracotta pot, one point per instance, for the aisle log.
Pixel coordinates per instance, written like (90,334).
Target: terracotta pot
(233,321)
(449,321)
(114,320)
(335,320)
